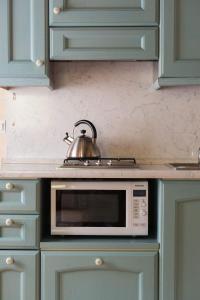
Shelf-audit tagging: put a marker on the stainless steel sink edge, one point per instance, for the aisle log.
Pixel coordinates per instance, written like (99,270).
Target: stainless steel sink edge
(185,166)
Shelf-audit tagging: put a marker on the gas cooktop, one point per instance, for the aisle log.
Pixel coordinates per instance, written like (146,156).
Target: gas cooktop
(103,162)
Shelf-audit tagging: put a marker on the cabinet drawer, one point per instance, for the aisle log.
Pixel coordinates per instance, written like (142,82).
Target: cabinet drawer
(19,275)
(19,231)
(19,196)
(99,275)
(103,12)
(103,43)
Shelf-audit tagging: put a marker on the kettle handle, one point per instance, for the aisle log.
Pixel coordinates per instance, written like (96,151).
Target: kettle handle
(94,132)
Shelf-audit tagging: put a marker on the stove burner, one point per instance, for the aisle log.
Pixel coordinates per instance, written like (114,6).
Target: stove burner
(103,162)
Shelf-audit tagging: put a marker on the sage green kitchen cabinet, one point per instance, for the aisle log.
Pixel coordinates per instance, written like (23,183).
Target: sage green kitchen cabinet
(110,43)
(103,30)
(19,275)
(23,43)
(19,231)
(19,196)
(99,275)
(179,226)
(179,62)
(103,13)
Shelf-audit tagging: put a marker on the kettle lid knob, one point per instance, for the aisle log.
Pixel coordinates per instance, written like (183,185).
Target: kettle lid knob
(83,131)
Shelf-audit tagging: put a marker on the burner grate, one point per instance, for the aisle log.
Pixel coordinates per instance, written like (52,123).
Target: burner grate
(103,162)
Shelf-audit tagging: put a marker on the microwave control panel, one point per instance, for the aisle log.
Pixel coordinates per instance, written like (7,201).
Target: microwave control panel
(140,208)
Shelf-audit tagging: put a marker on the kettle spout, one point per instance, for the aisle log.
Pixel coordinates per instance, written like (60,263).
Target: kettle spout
(68,139)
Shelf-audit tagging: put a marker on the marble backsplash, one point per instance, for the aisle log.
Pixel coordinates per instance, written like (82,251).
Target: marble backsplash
(132,119)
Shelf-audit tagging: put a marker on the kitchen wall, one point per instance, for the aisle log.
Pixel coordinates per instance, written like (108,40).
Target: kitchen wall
(130,116)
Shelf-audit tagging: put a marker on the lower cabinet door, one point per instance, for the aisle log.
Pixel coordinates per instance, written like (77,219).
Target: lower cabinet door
(99,276)
(19,275)
(179,210)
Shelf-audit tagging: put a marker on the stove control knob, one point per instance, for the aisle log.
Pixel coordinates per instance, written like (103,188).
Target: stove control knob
(98,261)
(109,163)
(86,163)
(98,163)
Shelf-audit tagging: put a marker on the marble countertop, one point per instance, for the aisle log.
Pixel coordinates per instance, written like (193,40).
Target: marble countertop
(52,170)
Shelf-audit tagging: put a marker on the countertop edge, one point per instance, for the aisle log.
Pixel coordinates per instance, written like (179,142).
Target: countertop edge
(150,172)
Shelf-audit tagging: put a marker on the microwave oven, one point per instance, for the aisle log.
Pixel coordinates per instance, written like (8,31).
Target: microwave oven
(99,208)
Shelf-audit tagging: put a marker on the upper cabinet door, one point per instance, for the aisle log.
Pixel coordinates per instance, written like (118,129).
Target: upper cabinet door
(23,56)
(103,12)
(180,39)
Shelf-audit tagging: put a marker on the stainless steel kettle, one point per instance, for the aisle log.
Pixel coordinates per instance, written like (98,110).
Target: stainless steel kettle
(83,146)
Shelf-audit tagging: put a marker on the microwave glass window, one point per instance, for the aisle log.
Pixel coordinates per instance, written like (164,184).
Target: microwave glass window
(91,208)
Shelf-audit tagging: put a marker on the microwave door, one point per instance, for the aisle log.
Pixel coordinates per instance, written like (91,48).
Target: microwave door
(90,208)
